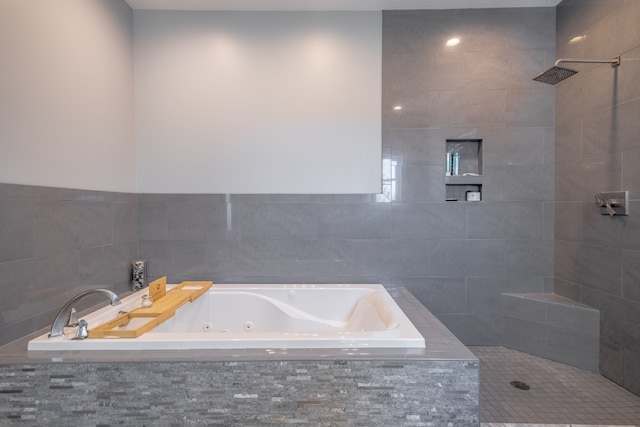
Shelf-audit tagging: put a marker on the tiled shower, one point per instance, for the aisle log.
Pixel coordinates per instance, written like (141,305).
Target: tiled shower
(597,149)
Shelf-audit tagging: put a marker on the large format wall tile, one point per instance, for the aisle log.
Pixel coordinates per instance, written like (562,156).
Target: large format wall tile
(16,276)
(530,107)
(597,150)
(509,220)
(428,221)
(582,179)
(420,183)
(631,172)
(16,229)
(631,275)
(198,221)
(276,221)
(520,183)
(576,15)
(57,243)
(525,258)
(629,89)
(353,221)
(611,130)
(513,146)
(419,146)
(594,267)
(632,370)
(617,232)
(65,225)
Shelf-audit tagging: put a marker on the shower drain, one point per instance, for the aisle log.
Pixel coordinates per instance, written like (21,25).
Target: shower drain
(520,385)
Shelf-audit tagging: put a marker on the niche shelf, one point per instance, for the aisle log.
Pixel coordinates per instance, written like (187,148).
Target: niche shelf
(465,173)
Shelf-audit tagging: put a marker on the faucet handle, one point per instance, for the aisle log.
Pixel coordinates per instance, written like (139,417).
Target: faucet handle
(82,331)
(73,318)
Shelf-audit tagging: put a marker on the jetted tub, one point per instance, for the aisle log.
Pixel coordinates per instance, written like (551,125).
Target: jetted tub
(263,317)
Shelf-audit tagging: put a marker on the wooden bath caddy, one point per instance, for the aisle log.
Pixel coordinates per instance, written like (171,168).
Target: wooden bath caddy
(164,307)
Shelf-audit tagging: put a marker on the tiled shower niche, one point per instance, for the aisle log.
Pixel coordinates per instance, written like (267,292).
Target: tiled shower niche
(464,169)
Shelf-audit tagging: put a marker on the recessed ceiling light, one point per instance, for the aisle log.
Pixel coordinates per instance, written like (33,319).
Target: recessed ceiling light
(453,42)
(397,107)
(576,39)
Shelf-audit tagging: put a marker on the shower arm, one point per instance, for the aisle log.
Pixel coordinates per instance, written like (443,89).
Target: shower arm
(614,62)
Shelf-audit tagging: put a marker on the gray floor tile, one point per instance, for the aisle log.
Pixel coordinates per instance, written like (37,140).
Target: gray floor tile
(559,395)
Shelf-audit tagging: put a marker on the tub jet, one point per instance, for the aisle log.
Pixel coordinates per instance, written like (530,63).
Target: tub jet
(520,385)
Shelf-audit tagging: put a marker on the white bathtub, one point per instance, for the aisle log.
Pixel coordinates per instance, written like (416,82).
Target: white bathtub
(262,317)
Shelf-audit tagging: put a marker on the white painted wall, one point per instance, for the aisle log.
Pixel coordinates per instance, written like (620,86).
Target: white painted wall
(258,102)
(66,94)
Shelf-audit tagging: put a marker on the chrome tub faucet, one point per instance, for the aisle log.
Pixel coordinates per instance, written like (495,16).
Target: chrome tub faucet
(63,316)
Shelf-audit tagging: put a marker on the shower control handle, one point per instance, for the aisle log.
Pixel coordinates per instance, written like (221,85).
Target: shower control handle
(613,203)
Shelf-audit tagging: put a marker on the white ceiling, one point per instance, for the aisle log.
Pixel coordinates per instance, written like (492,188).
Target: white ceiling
(308,5)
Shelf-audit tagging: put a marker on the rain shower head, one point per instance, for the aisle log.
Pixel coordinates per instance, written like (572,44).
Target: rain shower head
(556,74)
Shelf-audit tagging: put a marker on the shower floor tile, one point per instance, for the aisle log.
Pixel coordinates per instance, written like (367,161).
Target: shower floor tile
(559,395)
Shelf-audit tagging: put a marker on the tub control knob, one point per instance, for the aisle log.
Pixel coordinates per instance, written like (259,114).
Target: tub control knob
(83,331)
(146,301)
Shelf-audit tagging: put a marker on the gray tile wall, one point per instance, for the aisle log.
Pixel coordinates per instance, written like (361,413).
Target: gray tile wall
(56,243)
(457,257)
(597,149)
